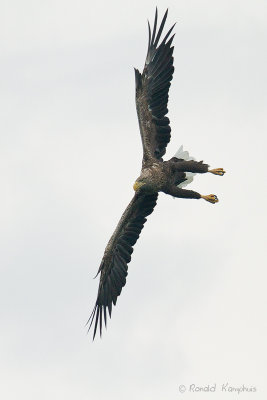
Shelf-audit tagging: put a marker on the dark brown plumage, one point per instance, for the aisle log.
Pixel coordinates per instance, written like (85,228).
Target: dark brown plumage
(152,91)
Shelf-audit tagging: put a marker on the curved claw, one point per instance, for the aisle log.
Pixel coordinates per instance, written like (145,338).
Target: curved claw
(217,171)
(211,198)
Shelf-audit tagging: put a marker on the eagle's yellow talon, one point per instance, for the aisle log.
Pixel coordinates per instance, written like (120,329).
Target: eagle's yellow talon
(217,171)
(211,198)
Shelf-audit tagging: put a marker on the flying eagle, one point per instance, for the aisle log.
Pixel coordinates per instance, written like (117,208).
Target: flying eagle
(152,88)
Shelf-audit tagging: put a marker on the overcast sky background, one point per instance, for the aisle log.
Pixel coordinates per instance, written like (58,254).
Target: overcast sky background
(194,307)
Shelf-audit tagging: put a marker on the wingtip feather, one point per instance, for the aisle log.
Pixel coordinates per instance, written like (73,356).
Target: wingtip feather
(155,26)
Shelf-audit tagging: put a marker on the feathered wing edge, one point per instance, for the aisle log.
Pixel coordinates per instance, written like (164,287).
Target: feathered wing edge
(114,265)
(152,88)
(154,40)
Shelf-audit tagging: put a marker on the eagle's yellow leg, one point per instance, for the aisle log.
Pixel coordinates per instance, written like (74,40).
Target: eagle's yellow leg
(217,171)
(211,198)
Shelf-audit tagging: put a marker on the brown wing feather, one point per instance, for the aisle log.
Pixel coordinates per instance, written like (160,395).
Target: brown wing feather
(113,267)
(152,88)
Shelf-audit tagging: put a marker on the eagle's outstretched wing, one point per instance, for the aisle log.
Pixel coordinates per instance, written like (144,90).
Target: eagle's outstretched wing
(152,89)
(113,267)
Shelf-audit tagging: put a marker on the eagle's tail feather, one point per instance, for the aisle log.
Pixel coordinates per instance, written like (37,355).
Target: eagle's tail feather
(181,153)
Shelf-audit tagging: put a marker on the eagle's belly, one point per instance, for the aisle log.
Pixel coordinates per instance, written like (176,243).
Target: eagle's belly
(156,176)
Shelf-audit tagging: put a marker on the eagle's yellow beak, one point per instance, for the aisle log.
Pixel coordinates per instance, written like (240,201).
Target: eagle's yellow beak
(137,185)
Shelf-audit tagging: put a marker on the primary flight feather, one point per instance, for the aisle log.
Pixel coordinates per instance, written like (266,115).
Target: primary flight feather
(152,92)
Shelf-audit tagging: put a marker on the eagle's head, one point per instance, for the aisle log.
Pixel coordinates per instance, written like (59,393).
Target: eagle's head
(143,186)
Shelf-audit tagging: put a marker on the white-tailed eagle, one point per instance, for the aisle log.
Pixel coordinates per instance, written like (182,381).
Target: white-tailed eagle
(152,89)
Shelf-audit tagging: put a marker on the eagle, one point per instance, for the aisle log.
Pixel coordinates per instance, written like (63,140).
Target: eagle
(157,175)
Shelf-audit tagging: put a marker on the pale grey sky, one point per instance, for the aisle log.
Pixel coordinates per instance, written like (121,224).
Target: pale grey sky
(194,306)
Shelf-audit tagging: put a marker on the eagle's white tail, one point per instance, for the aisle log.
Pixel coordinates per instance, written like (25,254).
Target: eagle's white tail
(185,156)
